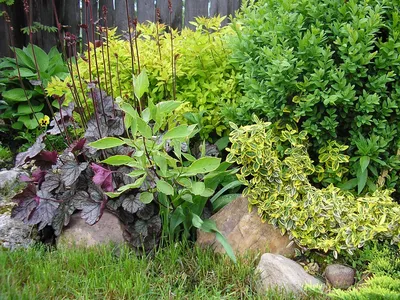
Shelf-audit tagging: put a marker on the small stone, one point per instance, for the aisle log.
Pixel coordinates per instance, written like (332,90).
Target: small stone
(339,276)
(245,232)
(8,178)
(107,230)
(279,272)
(14,233)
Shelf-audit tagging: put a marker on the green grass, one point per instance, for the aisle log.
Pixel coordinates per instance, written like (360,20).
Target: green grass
(175,272)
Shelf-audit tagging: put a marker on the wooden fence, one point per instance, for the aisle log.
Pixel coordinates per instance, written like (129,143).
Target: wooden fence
(71,13)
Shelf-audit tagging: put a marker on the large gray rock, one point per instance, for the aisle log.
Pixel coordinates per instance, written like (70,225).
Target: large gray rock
(107,230)
(279,272)
(245,232)
(339,276)
(14,234)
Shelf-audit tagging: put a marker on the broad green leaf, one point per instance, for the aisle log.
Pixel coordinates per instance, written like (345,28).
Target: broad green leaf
(167,107)
(198,188)
(203,165)
(364,162)
(182,131)
(146,197)
(186,182)
(177,218)
(222,143)
(362,180)
(137,173)
(25,109)
(134,185)
(30,121)
(187,198)
(161,162)
(113,194)
(229,186)
(348,185)
(17,95)
(118,160)
(224,242)
(106,143)
(165,188)
(24,72)
(42,58)
(207,193)
(141,84)
(223,201)
(144,128)
(24,59)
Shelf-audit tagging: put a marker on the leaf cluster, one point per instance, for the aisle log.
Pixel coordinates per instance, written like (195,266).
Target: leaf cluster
(14,105)
(275,167)
(333,68)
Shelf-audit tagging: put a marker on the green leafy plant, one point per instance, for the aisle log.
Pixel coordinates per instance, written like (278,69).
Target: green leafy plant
(199,71)
(15,107)
(331,67)
(177,181)
(275,167)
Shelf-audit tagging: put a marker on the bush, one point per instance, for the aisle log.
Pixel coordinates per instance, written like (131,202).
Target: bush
(331,67)
(275,167)
(205,79)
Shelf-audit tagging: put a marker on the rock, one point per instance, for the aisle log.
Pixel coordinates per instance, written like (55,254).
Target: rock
(340,276)
(14,234)
(279,272)
(107,230)
(8,177)
(245,232)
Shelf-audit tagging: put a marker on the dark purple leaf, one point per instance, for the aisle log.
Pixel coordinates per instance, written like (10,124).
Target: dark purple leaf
(46,159)
(28,193)
(51,182)
(46,209)
(66,114)
(132,203)
(96,193)
(36,148)
(79,199)
(25,178)
(91,85)
(71,170)
(77,145)
(146,212)
(63,214)
(102,177)
(57,129)
(141,227)
(115,126)
(38,176)
(91,212)
(114,204)
(24,209)
(92,131)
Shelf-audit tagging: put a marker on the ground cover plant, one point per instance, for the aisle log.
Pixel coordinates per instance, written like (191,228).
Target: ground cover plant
(276,168)
(330,68)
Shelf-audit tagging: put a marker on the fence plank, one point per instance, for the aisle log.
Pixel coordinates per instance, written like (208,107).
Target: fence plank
(42,12)
(219,7)
(195,8)
(110,8)
(176,16)
(120,18)
(233,5)
(88,21)
(146,10)
(69,16)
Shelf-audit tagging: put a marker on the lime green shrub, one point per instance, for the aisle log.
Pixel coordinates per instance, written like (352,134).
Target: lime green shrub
(205,79)
(275,167)
(331,66)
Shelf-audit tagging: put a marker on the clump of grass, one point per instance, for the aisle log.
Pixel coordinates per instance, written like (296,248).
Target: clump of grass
(178,271)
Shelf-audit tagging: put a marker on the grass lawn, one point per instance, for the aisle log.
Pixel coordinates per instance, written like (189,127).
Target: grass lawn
(175,272)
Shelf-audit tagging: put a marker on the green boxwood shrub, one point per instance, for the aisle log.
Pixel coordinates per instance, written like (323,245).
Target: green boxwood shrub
(333,68)
(275,167)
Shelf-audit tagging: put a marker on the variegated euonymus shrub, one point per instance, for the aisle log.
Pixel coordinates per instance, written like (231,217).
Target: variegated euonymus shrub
(275,167)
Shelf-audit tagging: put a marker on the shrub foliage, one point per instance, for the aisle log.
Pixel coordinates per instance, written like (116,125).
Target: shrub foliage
(333,68)
(275,167)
